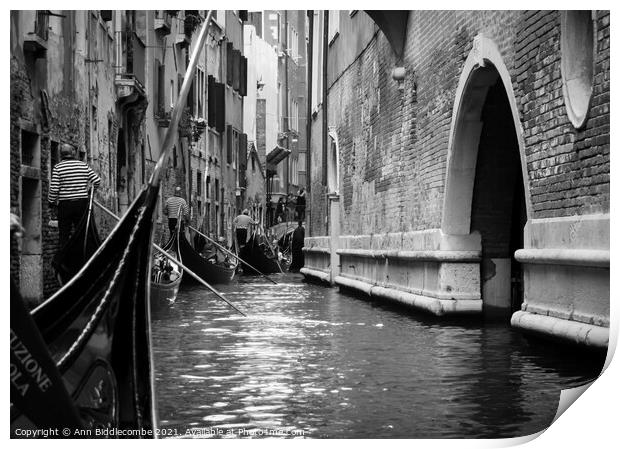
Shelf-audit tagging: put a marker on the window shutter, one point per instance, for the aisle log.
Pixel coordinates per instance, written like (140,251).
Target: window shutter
(229,143)
(161,88)
(220,105)
(243,151)
(236,69)
(243,82)
(211,101)
(229,63)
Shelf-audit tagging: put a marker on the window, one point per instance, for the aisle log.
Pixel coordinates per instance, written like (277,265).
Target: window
(334,25)
(31,149)
(199,93)
(332,163)
(208,190)
(171,94)
(577,50)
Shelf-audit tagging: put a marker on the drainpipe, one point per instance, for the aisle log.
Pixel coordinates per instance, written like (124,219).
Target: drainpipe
(286,111)
(90,102)
(324,107)
(309,58)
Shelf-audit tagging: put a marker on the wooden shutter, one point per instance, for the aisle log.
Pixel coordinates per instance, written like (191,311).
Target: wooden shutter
(161,88)
(243,82)
(229,63)
(229,143)
(220,107)
(243,151)
(211,101)
(236,69)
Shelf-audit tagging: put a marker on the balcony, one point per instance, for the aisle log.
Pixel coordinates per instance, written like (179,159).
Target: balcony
(35,42)
(163,23)
(163,118)
(130,83)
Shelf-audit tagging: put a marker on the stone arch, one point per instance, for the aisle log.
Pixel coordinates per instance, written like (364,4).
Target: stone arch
(483,67)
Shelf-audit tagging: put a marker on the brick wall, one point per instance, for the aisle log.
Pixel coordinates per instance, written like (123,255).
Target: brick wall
(394,143)
(568,168)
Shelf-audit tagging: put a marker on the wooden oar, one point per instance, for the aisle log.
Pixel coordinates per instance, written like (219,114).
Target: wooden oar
(90,209)
(172,258)
(232,254)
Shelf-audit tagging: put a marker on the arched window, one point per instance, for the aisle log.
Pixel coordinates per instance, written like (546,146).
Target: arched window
(577,46)
(333,172)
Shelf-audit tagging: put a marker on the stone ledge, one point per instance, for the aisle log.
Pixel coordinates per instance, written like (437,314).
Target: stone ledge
(435,256)
(562,330)
(578,257)
(593,320)
(318,274)
(316,249)
(434,294)
(435,306)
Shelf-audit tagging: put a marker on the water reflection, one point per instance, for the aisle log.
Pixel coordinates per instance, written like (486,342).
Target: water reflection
(311,359)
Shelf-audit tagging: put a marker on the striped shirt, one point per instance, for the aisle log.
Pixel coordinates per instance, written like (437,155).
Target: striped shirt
(70,180)
(173,205)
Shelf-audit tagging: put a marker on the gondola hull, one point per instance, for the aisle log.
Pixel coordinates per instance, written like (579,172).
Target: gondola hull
(254,254)
(165,293)
(97,330)
(211,273)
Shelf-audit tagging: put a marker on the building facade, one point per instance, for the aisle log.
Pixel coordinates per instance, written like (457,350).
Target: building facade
(106,81)
(460,163)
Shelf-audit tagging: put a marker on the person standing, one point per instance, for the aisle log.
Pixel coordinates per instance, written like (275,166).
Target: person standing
(301,204)
(176,208)
(280,210)
(241,224)
(297,245)
(69,189)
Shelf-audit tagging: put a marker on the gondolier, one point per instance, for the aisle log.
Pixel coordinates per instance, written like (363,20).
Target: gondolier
(241,223)
(175,208)
(69,189)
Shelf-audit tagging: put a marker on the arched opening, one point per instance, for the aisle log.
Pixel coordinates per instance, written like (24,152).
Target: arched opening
(486,198)
(498,205)
(332,163)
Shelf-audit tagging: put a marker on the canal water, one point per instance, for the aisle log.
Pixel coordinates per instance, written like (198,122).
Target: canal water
(309,361)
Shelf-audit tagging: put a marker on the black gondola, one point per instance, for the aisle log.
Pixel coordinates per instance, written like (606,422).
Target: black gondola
(166,275)
(96,329)
(82,359)
(213,269)
(260,254)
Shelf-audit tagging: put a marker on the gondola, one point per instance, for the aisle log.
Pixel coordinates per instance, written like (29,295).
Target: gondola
(96,330)
(81,361)
(212,268)
(81,246)
(166,275)
(285,247)
(259,253)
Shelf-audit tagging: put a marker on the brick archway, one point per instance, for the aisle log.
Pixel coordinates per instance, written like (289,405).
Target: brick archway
(483,67)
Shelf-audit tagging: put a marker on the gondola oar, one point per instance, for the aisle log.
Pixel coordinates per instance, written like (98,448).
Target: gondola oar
(232,254)
(174,259)
(90,209)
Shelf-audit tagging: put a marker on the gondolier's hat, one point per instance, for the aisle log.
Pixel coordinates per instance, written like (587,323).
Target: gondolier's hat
(67,150)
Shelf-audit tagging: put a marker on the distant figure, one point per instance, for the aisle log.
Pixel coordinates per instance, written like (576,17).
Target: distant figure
(301,204)
(176,207)
(280,210)
(69,188)
(241,223)
(296,248)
